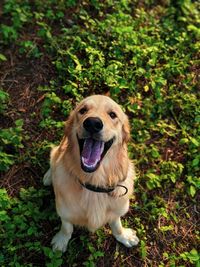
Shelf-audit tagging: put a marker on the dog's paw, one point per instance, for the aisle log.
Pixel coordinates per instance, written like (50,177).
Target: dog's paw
(60,242)
(47,180)
(128,238)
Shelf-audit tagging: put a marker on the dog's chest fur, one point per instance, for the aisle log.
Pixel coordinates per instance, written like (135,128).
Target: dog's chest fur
(81,206)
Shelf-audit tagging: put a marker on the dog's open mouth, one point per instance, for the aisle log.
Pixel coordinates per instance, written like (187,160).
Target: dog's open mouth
(92,152)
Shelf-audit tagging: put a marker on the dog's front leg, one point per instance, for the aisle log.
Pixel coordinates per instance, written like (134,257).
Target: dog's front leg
(126,236)
(61,239)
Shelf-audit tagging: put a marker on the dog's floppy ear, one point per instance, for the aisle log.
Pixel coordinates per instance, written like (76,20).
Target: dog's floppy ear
(69,125)
(67,133)
(126,131)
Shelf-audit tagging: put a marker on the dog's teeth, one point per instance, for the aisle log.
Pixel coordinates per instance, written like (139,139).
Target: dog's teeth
(89,166)
(102,147)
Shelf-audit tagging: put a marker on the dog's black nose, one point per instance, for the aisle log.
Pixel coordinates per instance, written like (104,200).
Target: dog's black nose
(93,124)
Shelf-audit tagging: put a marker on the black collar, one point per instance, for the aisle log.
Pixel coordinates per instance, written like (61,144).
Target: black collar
(99,189)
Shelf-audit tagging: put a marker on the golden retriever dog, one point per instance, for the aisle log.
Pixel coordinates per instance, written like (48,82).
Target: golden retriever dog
(91,173)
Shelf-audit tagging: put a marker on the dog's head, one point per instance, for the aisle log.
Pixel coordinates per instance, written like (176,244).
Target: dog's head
(96,125)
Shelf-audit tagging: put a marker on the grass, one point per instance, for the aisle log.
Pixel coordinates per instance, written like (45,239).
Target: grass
(145,55)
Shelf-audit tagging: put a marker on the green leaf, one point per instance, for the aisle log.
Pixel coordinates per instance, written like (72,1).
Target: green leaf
(143,249)
(194,255)
(195,162)
(166,228)
(184,141)
(192,190)
(2,57)
(194,141)
(155,153)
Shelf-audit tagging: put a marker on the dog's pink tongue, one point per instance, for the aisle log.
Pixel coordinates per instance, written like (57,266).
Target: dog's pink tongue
(92,150)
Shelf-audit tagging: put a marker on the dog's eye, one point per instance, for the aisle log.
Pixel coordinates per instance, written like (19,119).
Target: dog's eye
(112,115)
(83,110)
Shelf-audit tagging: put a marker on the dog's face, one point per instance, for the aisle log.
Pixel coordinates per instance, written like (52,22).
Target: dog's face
(97,124)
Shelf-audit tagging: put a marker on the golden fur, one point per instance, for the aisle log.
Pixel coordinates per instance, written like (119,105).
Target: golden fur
(77,205)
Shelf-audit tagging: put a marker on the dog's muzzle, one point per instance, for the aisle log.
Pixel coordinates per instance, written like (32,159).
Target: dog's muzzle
(92,148)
